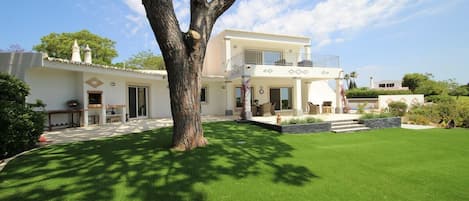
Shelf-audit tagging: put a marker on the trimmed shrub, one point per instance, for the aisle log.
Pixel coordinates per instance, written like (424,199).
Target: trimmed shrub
(21,124)
(301,121)
(361,108)
(419,119)
(376,116)
(439,98)
(372,93)
(397,108)
(313,120)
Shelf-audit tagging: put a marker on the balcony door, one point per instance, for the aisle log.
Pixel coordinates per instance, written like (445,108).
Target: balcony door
(138,102)
(263,57)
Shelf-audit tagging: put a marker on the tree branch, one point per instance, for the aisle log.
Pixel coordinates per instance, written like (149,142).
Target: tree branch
(164,23)
(218,7)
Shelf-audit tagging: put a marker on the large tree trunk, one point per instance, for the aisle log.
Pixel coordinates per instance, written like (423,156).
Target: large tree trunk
(184,53)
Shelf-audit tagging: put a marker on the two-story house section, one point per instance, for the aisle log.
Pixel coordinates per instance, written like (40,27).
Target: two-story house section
(279,69)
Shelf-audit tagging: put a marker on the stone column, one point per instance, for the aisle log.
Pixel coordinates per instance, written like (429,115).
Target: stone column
(307,52)
(229,98)
(297,111)
(338,95)
(123,114)
(306,98)
(246,114)
(102,116)
(228,55)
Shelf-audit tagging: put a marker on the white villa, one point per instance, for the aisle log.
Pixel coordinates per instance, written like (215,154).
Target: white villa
(279,69)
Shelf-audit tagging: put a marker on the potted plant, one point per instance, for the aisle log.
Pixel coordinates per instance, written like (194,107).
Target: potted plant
(73,103)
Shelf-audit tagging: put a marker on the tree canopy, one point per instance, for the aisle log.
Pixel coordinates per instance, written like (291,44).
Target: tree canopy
(414,80)
(60,45)
(144,60)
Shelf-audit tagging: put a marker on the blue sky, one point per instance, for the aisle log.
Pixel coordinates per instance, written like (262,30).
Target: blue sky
(380,38)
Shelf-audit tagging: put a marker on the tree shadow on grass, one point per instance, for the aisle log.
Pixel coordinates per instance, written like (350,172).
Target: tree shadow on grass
(141,166)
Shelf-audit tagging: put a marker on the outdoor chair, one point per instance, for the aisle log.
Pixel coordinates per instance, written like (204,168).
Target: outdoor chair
(305,63)
(327,107)
(313,109)
(254,110)
(267,109)
(272,109)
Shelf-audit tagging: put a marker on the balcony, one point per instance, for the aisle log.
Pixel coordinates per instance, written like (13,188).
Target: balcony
(277,64)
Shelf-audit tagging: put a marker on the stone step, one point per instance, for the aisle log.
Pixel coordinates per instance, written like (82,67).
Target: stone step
(344,126)
(344,120)
(346,130)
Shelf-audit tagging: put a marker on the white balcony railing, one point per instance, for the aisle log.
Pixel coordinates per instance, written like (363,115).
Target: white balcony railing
(281,59)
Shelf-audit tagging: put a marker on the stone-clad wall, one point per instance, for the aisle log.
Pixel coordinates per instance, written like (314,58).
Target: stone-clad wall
(296,128)
(391,122)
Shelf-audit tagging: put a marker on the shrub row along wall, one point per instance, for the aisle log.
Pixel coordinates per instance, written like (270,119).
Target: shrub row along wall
(367,93)
(296,128)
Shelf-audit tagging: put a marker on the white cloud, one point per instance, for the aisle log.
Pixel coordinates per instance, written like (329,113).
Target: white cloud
(320,22)
(138,18)
(326,22)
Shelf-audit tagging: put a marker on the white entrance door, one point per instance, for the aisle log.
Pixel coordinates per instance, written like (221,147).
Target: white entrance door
(138,102)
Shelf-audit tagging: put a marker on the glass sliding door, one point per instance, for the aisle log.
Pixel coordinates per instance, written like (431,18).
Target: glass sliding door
(138,102)
(282,97)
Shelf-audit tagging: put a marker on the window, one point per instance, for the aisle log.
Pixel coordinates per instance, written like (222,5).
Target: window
(259,57)
(203,95)
(282,97)
(238,98)
(253,57)
(390,85)
(382,85)
(271,57)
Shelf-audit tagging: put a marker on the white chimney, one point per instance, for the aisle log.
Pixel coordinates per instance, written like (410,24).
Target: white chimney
(372,84)
(87,55)
(76,52)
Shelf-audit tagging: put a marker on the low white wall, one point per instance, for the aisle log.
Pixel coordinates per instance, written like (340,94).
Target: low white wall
(410,100)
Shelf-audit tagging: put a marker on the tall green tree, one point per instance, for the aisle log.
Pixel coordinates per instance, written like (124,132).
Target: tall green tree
(347,78)
(60,45)
(145,60)
(184,53)
(414,80)
(432,87)
(353,77)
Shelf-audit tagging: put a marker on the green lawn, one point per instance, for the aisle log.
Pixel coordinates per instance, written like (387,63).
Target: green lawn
(245,162)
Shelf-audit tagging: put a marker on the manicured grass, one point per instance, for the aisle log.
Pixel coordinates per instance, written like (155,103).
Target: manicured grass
(245,162)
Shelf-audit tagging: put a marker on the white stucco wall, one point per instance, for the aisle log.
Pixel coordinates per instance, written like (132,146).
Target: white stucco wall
(158,93)
(410,100)
(214,63)
(216,99)
(53,87)
(320,91)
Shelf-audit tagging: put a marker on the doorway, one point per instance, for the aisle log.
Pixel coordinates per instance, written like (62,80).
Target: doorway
(138,102)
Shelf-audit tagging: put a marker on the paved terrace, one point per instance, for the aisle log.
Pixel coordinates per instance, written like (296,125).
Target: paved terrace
(135,126)
(94,132)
